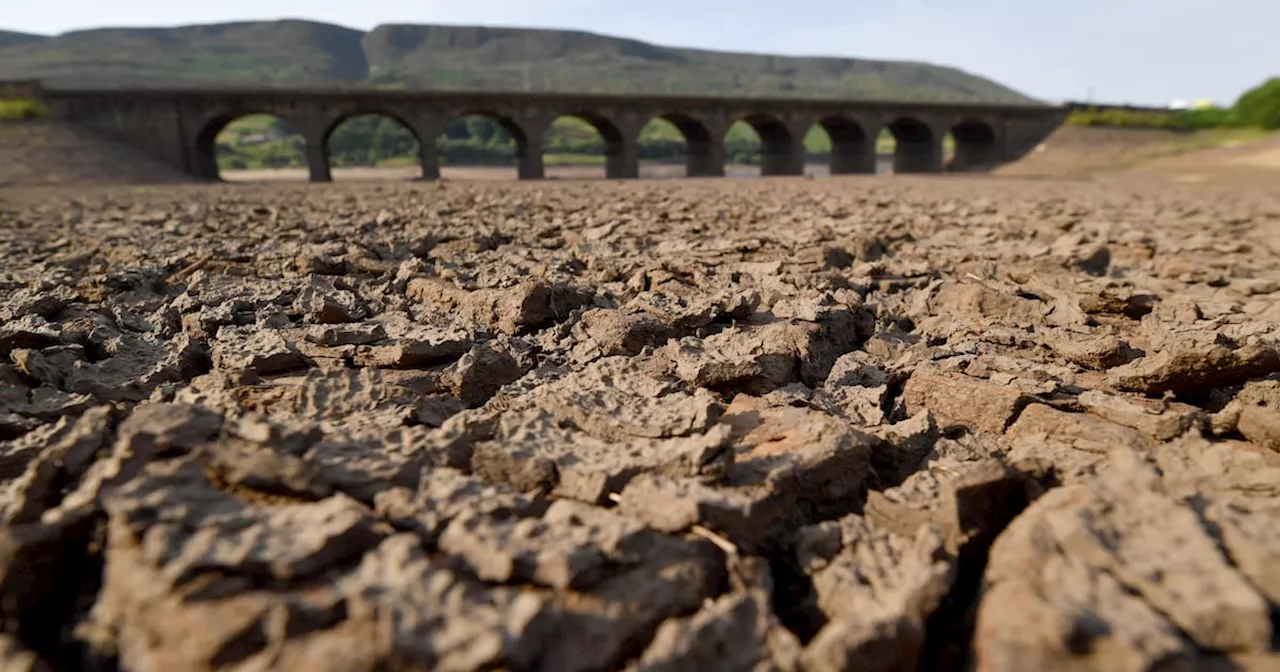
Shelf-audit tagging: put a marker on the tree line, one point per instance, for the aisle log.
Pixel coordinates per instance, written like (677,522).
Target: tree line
(1256,108)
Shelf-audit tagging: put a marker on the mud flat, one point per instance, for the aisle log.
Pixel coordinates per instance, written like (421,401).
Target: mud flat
(841,424)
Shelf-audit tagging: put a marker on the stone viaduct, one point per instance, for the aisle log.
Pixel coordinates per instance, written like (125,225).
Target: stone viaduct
(179,126)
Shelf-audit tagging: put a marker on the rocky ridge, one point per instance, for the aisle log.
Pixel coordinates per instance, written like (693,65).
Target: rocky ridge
(800,425)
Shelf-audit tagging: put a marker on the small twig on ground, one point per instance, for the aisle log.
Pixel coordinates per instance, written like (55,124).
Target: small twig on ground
(189,268)
(723,544)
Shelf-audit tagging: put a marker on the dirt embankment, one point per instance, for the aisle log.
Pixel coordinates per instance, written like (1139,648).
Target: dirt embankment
(812,425)
(1110,153)
(50,153)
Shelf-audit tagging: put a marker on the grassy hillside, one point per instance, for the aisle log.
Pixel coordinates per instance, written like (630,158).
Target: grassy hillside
(304,53)
(554,60)
(280,53)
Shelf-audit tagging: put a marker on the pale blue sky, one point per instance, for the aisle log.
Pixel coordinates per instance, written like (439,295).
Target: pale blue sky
(1140,51)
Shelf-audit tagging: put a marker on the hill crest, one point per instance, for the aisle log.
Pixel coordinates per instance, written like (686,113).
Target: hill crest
(296,52)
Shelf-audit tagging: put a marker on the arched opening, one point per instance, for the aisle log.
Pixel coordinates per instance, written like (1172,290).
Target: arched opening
(842,145)
(763,140)
(585,146)
(480,145)
(702,155)
(916,150)
(972,147)
(373,146)
(250,147)
(662,149)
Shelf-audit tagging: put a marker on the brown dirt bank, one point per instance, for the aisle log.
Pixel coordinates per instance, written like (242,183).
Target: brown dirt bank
(845,424)
(47,153)
(1111,153)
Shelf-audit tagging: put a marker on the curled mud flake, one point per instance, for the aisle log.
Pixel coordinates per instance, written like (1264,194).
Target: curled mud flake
(1197,367)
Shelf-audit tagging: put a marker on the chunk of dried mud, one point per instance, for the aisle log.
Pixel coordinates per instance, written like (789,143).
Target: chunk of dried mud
(265,352)
(1160,420)
(956,399)
(138,366)
(760,358)
(150,432)
(736,631)
(530,305)
(858,387)
(1097,353)
(29,331)
(1074,444)
(186,526)
(876,588)
(482,371)
(1258,416)
(324,301)
(968,501)
(620,614)
(362,465)
(1118,301)
(531,450)
(332,335)
(50,460)
(1195,367)
(790,464)
(604,332)
(440,620)
(1110,577)
(413,345)
(443,494)
(616,399)
(572,546)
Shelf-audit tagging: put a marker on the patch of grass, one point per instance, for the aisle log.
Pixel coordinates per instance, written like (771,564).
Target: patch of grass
(22,110)
(1220,137)
(1174,120)
(398,162)
(572,160)
(1123,119)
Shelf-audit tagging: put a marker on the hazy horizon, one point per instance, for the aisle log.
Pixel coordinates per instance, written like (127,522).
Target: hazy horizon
(1135,51)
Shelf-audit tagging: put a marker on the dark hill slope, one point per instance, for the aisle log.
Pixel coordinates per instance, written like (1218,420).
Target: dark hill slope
(559,60)
(305,53)
(281,53)
(8,38)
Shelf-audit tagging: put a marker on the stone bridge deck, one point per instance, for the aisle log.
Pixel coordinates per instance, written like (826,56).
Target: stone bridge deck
(179,125)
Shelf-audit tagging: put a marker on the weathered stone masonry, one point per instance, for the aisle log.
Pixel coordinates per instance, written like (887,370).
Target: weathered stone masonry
(179,126)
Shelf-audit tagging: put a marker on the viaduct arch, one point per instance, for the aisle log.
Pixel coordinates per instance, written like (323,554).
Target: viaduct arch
(179,126)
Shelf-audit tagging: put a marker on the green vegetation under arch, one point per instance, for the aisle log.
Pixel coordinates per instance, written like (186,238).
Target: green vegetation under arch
(264,141)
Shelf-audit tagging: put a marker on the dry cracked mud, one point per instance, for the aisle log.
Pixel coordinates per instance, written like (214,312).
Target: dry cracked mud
(799,425)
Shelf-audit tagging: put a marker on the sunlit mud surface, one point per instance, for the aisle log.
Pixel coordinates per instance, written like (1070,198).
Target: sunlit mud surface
(834,424)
